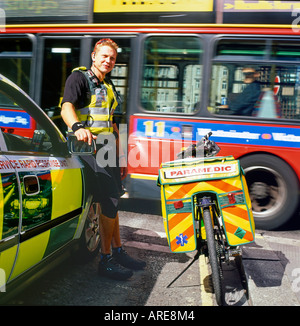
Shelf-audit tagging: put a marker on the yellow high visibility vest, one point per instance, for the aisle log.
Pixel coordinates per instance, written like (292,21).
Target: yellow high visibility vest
(98,115)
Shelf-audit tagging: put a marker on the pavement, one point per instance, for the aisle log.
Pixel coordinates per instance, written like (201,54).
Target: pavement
(271,263)
(272,268)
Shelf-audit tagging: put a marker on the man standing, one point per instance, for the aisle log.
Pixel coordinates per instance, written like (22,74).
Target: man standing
(87,109)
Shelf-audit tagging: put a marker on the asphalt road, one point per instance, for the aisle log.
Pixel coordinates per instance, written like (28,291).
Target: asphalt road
(75,284)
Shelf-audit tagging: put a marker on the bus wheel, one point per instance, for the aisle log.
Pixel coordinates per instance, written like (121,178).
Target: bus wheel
(273,188)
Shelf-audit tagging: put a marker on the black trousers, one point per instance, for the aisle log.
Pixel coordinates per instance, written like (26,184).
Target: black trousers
(104,182)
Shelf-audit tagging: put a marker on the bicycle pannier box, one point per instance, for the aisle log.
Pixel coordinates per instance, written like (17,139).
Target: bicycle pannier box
(181,180)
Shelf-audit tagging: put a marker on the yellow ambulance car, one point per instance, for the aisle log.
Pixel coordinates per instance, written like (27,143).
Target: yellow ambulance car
(44,206)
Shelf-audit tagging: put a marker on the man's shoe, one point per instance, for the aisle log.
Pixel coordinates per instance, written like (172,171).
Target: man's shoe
(110,268)
(122,257)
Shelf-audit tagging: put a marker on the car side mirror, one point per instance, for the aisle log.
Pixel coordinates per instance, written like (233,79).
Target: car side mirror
(79,147)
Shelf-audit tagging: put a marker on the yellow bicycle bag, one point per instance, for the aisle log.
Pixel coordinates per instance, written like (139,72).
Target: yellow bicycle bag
(181,180)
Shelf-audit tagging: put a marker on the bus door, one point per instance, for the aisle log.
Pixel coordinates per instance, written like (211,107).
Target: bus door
(62,54)
(166,100)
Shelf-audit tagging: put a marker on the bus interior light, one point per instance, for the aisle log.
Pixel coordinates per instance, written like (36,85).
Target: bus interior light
(61,50)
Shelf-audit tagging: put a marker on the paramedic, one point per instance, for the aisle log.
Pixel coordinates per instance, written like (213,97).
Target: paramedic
(87,109)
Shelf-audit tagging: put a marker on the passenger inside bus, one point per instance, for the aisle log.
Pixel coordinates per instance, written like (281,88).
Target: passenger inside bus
(243,103)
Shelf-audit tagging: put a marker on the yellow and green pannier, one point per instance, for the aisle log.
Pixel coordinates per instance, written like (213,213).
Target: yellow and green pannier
(181,180)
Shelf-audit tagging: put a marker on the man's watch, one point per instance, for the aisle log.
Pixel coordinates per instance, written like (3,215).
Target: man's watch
(76,126)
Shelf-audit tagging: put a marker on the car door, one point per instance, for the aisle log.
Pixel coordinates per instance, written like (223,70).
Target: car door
(48,180)
(9,218)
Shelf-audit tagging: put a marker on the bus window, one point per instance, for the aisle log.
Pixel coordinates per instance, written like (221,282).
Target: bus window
(235,89)
(15,60)
(228,49)
(281,90)
(172,74)
(285,50)
(269,89)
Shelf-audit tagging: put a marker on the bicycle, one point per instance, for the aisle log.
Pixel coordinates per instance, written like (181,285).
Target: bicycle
(206,206)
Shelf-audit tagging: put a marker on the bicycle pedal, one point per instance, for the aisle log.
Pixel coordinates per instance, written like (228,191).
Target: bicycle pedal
(234,252)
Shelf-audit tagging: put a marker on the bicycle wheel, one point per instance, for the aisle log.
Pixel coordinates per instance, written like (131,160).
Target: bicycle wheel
(213,257)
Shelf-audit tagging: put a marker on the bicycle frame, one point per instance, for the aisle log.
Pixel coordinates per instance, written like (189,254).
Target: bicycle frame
(207,201)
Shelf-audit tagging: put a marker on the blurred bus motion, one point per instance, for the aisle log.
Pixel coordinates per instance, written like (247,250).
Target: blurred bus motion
(181,70)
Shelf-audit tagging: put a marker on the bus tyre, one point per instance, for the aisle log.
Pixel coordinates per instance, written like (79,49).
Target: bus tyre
(273,188)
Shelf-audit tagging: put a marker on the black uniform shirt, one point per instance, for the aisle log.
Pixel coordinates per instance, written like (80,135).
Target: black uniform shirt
(77,90)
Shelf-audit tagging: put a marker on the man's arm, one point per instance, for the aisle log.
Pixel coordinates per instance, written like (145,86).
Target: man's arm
(70,117)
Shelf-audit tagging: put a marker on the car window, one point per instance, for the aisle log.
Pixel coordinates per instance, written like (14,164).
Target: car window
(24,126)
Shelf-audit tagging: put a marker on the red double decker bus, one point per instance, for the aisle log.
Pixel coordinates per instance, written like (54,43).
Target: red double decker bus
(183,69)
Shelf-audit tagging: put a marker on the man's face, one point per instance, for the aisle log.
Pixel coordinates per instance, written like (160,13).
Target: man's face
(105,59)
(249,75)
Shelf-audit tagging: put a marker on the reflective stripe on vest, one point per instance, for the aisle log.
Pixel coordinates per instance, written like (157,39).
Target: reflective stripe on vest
(98,115)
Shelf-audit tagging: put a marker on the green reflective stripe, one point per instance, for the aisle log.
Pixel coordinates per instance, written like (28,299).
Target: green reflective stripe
(238,196)
(187,208)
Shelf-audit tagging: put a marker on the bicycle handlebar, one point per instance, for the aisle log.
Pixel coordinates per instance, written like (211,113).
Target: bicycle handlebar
(204,148)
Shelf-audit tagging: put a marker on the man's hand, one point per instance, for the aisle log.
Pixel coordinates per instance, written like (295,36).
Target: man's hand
(85,135)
